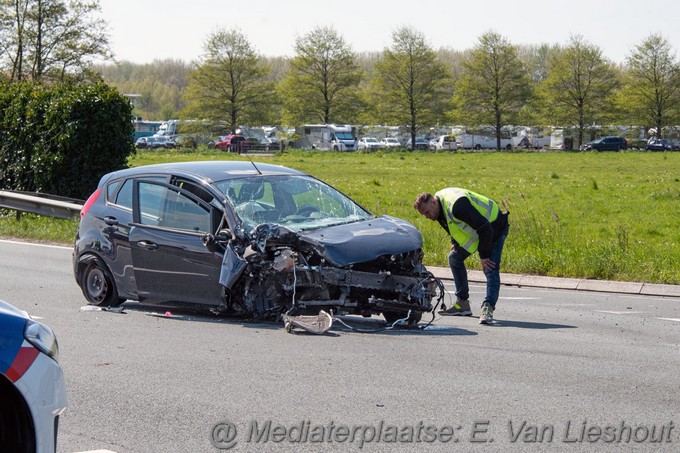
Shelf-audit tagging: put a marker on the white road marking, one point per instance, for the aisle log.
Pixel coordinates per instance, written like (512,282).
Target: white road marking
(520,298)
(670,319)
(36,244)
(96,451)
(627,312)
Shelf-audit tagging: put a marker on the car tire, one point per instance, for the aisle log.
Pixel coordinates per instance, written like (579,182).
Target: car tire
(97,283)
(393,316)
(478,146)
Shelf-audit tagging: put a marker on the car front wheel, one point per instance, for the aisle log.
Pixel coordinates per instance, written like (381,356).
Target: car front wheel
(97,283)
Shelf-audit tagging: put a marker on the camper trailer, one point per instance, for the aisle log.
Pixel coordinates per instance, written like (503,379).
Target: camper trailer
(479,141)
(327,137)
(530,137)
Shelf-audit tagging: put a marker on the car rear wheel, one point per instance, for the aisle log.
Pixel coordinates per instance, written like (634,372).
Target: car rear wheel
(97,283)
(393,316)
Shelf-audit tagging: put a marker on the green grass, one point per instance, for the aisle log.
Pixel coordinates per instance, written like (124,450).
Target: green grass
(588,215)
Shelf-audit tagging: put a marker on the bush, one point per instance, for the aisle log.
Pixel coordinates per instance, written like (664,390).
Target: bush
(60,140)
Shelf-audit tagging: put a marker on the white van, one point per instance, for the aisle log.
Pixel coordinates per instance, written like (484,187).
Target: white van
(446,142)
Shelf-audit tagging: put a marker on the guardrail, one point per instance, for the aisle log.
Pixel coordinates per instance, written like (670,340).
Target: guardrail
(43,204)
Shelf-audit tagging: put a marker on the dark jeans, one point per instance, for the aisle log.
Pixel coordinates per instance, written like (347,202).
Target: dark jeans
(493,276)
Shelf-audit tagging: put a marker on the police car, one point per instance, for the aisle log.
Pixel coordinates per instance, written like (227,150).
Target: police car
(31,383)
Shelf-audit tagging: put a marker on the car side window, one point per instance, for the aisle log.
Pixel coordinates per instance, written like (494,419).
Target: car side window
(165,207)
(124,195)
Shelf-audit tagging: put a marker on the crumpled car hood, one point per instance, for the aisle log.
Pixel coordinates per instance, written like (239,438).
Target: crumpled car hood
(363,241)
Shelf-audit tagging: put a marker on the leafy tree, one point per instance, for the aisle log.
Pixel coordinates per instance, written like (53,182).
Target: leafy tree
(536,61)
(50,39)
(494,85)
(410,83)
(580,86)
(61,139)
(651,92)
(229,86)
(323,79)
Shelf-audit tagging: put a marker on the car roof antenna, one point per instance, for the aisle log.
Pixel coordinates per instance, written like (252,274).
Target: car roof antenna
(251,161)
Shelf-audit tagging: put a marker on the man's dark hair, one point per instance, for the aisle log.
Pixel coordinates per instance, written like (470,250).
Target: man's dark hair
(421,199)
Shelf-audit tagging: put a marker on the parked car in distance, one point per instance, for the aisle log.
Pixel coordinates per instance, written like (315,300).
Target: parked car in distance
(31,383)
(445,142)
(390,142)
(185,141)
(232,143)
(248,239)
(369,143)
(608,143)
(141,143)
(421,143)
(155,143)
(270,143)
(659,144)
(167,142)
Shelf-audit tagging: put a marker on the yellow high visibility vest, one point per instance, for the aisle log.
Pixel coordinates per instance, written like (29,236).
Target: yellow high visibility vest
(460,231)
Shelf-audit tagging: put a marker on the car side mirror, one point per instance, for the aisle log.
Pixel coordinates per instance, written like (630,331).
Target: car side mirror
(224,235)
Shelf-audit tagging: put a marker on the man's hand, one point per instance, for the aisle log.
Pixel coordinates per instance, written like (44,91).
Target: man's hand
(454,247)
(487,264)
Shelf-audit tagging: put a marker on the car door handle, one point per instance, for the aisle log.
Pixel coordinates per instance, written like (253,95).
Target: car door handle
(148,245)
(112,221)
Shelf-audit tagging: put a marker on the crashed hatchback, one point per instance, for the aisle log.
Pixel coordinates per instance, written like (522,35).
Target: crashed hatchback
(248,239)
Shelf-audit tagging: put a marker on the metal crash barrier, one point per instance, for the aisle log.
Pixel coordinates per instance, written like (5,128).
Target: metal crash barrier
(42,204)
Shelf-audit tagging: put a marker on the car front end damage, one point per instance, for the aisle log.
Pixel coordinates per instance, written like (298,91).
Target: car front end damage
(279,271)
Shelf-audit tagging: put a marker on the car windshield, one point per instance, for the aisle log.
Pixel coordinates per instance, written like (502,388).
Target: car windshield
(344,136)
(296,202)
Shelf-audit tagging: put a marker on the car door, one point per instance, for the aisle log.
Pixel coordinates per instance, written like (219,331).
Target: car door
(610,144)
(171,262)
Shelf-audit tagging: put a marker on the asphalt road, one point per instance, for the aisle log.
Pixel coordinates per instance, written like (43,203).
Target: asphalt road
(561,371)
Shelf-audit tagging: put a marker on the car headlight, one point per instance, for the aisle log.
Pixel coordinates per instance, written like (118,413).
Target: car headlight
(42,337)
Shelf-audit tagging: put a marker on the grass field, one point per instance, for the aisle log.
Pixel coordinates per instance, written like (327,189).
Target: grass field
(589,215)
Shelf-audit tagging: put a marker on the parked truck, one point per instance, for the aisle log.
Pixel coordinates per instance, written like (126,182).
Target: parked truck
(327,137)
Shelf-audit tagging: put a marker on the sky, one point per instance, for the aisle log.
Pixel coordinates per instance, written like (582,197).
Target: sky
(142,31)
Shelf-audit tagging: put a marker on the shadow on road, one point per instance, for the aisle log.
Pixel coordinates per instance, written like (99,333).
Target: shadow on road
(531,325)
(341,324)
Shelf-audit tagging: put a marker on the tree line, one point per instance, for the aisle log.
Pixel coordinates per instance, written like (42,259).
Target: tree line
(408,84)
(412,85)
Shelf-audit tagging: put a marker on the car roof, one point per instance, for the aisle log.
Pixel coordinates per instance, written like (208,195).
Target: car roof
(217,170)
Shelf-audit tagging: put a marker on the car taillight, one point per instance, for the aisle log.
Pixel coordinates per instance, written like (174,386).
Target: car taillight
(90,201)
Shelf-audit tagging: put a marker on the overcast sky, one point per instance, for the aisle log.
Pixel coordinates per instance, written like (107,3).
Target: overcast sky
(144,30)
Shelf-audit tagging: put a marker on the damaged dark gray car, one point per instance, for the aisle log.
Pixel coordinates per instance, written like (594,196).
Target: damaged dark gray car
(248,239)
